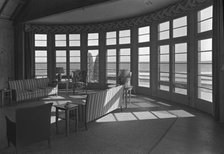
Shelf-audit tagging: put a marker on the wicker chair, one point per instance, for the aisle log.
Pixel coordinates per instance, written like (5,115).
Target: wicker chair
(79,80)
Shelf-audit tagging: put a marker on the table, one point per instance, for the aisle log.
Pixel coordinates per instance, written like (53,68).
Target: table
(67,108)
(5,93)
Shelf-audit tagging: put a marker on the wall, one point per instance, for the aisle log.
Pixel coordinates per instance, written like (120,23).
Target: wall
(6,52)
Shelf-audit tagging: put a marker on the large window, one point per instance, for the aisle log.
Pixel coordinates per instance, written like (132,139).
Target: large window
(144,67)
(40,49)
(205,69)
(68,52)
(74,52)
(144,56)
(61,55)
(205,54)
(164,70)
(180,68)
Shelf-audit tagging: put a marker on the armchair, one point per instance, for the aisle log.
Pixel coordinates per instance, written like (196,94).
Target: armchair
(79,80)
(32,125)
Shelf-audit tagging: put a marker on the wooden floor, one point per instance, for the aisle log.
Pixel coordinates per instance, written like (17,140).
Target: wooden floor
(146,126)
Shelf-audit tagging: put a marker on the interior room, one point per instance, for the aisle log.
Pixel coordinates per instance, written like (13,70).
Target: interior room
(143,76)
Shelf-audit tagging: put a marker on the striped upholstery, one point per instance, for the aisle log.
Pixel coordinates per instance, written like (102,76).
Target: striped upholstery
(31,88)
(101,103)
(42,83)
(30,84)
(17,85)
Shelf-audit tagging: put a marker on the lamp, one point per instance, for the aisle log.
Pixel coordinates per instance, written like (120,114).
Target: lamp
(59,71)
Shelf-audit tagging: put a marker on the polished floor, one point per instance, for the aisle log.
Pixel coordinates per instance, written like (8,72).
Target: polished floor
(146,126)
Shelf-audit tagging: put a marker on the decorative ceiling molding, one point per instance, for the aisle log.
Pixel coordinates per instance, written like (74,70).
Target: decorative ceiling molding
(172,10)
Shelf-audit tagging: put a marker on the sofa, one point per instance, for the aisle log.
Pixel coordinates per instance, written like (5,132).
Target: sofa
(32,88)
(100,103)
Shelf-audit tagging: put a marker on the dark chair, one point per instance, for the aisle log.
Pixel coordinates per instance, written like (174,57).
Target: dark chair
(79,80)
(32,125)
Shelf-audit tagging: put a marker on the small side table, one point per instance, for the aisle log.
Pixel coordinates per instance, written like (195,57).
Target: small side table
(5,93)
(67,108)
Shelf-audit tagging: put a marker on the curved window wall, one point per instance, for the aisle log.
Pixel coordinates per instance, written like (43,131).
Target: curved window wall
(160,55)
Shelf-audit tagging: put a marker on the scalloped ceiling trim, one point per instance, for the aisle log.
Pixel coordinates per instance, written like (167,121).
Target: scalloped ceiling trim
(175,9)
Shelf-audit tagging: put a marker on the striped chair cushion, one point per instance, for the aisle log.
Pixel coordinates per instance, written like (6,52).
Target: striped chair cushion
(17,85)
(42,83)
(101,103)
(30,84)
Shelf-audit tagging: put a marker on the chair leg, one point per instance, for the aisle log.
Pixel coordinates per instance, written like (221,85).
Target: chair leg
(49,143)
(8,143)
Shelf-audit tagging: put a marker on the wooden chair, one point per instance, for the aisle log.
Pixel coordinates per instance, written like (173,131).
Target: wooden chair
(79,80)
(32,125)
(124,78)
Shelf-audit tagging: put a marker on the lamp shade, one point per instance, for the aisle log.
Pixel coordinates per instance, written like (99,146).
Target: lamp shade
(59,70)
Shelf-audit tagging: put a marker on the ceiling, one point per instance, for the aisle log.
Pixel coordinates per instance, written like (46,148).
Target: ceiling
(10,8)
(104,11)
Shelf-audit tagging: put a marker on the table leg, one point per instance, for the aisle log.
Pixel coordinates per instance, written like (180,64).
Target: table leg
(77,119)
(67,121)
(56,120)
(10,96)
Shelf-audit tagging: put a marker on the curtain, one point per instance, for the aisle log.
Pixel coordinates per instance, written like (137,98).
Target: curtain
(29,58)
(218,61)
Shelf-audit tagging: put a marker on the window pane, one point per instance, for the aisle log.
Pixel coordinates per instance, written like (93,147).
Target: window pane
(181,48)
(164,49)
(180,32)
(205,69)
(111,34)
(124,37)
(205,25)
(125,40)
(40,40)
(143,38)
(204,45)
(205,94)
(74,60)
(144,34)
(180,22)
(164,26)
(205,19)
(205,13)
(124,33)
(61,60)
(111,66)
(40,63)
(144,67)
(93,39)
(111,41)
(180,58)
(164,35)
(60,40)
